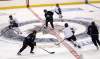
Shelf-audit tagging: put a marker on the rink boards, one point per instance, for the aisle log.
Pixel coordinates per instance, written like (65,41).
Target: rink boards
(37,3)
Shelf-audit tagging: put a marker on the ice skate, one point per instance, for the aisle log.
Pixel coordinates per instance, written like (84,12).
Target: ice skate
(97,48)
(18,53)
(32,52)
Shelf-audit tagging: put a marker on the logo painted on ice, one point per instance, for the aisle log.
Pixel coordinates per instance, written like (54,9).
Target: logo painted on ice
(85,43)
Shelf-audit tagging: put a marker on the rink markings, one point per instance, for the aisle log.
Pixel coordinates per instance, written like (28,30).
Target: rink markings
(2,14)
(74,53)
(35,14)
(42,5)
(56,33)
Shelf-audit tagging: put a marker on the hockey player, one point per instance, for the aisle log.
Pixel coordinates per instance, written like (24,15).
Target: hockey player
(12,22)
(49,18)
(14,25)
(29,41)
(58,11)
(93,32)
(69,35)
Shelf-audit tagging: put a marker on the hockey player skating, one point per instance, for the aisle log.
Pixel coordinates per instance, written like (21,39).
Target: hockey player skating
(14,25)
(69,35)
(29,41)
(93,32)
(58,11)
(49,18)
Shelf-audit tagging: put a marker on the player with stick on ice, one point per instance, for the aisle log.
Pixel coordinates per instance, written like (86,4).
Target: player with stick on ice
(12,25)
(29,41)
(69,36)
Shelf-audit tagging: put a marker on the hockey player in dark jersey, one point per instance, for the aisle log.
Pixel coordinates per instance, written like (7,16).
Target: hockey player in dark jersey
(94,34)
(29,41)
(49,18)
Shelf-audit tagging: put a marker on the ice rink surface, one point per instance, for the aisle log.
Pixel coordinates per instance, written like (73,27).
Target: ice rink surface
(75,13)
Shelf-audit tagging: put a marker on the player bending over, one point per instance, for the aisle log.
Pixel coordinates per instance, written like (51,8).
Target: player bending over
(69,35)
(29,41)
(14,25)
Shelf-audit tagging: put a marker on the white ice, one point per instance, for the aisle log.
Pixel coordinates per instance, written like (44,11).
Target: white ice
(9,47)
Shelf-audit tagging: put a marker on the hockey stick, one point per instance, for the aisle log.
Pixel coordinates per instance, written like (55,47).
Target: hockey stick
(7,30)
(42,27)
(47,51)
(4,32)
(59,42)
